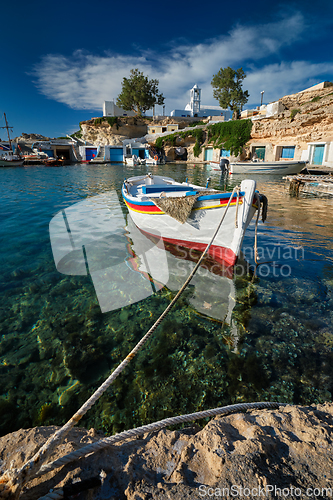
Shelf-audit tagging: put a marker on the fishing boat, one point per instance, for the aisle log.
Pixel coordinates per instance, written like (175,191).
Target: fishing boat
(7,156)
(267,167)
(187,215)
(221,166)
(319,185)
(152,161)
(134,160)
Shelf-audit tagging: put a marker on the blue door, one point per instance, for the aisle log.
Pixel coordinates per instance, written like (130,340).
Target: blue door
(116,154)
(209,154)
(288,152)
(318,154)
(90,153)
(49,152)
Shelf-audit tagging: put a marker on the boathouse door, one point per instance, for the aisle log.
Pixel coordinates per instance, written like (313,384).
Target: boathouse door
(318,154)
(260,152)
(209,154)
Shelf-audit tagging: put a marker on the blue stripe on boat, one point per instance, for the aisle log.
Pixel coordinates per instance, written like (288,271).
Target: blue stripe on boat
(216,196)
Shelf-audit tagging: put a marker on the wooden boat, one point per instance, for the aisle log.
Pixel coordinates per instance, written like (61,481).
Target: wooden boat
(54,162)
(319,185)
(267,167)
(7,157)
(187,215)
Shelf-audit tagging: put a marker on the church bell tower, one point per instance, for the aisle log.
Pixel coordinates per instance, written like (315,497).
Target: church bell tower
(195,100)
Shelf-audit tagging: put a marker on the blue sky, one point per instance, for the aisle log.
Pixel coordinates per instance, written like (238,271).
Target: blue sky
(61,60)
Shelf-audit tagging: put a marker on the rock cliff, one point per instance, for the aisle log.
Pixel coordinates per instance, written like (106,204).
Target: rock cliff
(307,117)
(287,452)
(101,131)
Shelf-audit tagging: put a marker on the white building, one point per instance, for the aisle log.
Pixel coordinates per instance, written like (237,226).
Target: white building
(111,109)
(195,108)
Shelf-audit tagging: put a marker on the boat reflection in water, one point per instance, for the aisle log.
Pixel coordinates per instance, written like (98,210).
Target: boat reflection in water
(212,288)
(92,238)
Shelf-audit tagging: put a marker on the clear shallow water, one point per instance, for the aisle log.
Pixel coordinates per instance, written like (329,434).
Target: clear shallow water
(263,334)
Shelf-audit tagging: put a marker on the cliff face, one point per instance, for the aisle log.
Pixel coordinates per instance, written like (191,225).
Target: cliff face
(126,128)
(307,117)
(103,133)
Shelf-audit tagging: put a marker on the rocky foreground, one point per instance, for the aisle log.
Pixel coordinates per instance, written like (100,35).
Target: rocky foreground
(261,453)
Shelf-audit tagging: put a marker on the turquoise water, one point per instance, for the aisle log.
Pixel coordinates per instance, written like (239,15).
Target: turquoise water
(264,333)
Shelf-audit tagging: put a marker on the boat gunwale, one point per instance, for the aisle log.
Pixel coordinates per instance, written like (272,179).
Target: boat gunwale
(131,198)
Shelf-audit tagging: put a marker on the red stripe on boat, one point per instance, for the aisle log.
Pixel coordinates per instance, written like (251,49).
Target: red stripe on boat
(222,255)
(143,208)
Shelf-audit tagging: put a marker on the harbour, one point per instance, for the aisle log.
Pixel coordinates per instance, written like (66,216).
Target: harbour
(271,341)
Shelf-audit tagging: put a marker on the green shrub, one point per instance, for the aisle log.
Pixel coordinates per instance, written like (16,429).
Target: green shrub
(111,120)
(77,134)
(293,113)
(171,139)
(231,135)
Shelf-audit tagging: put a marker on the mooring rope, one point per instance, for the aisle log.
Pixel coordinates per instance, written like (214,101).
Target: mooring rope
(13,480)
(236,216)
(256,257)
(153,427)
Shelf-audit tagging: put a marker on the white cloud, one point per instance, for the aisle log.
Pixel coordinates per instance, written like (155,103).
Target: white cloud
(84,81)
(285,78)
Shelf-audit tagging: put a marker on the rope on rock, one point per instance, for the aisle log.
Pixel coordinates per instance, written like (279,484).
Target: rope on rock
(13,480)
(156,426)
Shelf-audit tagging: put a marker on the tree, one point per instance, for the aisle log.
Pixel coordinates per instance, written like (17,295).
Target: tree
(227,85)
(139,93)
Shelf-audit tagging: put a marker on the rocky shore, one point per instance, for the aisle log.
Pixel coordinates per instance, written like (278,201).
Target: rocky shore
(287,452)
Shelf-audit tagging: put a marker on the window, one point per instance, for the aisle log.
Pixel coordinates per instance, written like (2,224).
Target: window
(287,152)
(225,152)
(259,152)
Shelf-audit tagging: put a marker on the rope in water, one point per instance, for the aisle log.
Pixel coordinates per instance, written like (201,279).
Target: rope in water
(13,480)
(156,426)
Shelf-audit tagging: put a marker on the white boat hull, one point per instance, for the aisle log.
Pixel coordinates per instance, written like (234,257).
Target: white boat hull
(264,167)
(204,218)
(11,163)
(134,160)
(152,161)
(215,165)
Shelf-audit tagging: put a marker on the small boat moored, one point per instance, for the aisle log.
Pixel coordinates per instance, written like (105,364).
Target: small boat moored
(7,157)
(134,160)
(267,167)
(187,215)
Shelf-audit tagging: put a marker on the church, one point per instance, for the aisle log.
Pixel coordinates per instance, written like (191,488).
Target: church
(195,108)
